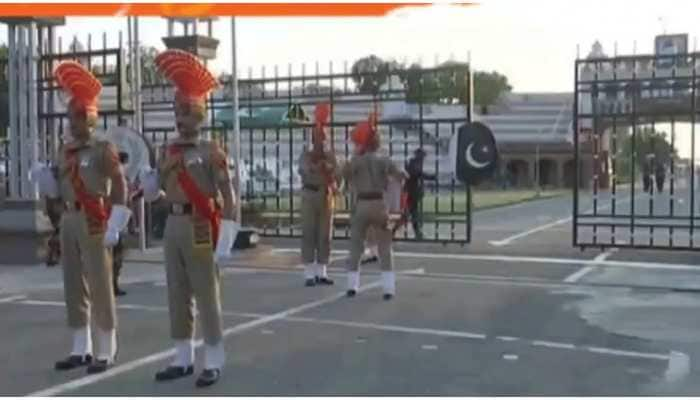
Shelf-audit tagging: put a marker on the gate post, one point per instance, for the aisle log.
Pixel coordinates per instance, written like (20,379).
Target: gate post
(24,227)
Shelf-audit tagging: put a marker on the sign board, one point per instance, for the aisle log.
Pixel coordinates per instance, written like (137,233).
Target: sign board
(667,45)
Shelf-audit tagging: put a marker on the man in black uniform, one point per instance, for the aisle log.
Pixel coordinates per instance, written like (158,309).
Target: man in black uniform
(659,175)
(118,249)
(414,188)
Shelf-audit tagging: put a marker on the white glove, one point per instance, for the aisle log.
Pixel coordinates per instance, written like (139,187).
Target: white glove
(149,184)
(43,177)
(227,237)
(117,222)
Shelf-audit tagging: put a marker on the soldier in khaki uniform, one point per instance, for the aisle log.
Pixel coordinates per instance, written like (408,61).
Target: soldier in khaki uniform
(194,174)
(368,175)
(319,176)
(91,185)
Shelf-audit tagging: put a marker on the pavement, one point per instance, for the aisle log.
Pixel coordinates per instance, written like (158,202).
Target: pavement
(517,312)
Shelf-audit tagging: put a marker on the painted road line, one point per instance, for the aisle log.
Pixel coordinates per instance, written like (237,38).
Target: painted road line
(12,299)
(510,239)
(578,275)
(535,260)
(160,356)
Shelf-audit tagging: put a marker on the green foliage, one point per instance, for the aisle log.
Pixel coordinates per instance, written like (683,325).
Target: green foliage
(645,142)
(447,84)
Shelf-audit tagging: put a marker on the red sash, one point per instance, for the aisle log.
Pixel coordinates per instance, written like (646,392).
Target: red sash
(202,204)
(94,207)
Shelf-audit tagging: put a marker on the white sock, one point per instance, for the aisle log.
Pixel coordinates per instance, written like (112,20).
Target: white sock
(374,250)
(184,356)
(353,280)
(82,341)
(106,344)
(321,271)
(214,356)
(389,282)
(309,271)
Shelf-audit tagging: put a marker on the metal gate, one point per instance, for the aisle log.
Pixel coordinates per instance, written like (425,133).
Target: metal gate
(635,119)
(418,108)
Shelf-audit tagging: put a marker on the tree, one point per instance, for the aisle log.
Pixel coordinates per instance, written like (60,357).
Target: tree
(149,72)
(369,74)
(646,142)
(488,88)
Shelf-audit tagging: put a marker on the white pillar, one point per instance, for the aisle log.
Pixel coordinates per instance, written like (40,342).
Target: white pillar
(236,140)
(13,106)
(35,142)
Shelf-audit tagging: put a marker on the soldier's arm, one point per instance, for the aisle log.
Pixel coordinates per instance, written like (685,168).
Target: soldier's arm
(304,167)
(346,174)
(337,171)
(222,178)
(395,172)
(114,170)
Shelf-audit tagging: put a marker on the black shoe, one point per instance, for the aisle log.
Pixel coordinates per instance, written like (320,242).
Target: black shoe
(118,292)
(208,377)
(310,283)
(99,366)
(388,296)
(73,362)
(369,260)
(351,293)
(324,280)
(174,372)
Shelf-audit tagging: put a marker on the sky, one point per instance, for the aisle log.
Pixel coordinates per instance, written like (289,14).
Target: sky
(533,42)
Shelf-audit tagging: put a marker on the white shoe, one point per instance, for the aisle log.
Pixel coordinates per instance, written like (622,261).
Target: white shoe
(353,283)
(389,284)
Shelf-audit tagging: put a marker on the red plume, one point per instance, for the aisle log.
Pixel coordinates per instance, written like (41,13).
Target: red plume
(79,84)
(184,70)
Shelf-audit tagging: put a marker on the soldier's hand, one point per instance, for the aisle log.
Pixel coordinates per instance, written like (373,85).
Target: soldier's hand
(42,175)
(111,238)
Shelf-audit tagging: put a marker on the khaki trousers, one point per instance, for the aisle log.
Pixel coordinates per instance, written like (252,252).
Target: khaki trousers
(87,274)
(316,226)
(370,214)
(191,273)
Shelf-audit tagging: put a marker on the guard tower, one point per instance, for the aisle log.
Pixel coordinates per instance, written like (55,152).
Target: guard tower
(190,40)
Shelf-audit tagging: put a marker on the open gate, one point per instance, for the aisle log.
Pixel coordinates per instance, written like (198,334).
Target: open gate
(635,120)
(276,118)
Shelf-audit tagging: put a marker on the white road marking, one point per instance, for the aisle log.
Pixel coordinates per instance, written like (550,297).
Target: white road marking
(510,239)
(678,367)
(12,299)
(578,275)
(429,347)
(42,303)
(510,357)
(678,362)
(160,356)
(534,260)
(390,328)
(267,332)
(553,345)
(625,353)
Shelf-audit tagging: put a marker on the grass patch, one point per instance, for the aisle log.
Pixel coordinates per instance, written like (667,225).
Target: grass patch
(444,206)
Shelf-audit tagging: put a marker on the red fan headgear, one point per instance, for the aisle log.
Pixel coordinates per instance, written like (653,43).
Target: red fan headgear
(321,114)
(365,133)
(80,85)
(190,77)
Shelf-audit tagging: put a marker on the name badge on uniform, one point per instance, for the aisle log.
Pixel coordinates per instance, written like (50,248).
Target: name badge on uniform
(85,162)
(194,161)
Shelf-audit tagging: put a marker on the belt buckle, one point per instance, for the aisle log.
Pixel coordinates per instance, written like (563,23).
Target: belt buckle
(178,209)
